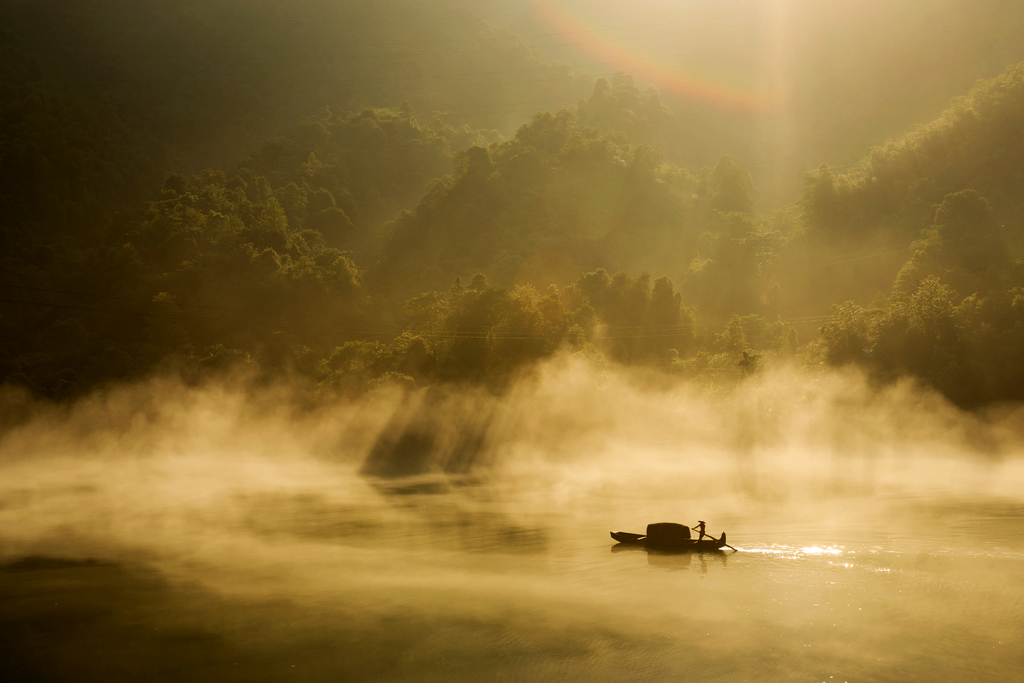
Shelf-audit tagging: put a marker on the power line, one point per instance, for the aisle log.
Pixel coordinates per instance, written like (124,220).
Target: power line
(613,333)
(275,325)
(621,331)
(885,251)
(875,254)
(482,334)
(636,332)
(123,298)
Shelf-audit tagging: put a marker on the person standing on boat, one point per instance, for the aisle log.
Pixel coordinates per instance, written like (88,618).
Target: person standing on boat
(700,528)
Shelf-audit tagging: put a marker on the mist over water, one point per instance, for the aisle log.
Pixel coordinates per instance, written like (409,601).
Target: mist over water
(335,338)
(461,536)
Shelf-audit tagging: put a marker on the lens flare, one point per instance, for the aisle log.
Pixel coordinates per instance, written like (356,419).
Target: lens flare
(676,79)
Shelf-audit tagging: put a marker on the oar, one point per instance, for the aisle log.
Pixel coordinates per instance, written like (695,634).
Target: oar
(716,540)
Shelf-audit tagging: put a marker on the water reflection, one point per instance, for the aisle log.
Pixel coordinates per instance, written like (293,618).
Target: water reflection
(426,579)
(414,520)
(795,552)
(665,558)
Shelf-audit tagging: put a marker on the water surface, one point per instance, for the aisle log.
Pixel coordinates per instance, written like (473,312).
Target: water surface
(269,569)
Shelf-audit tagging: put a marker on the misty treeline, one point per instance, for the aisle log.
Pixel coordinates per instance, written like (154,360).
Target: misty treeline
(403,241)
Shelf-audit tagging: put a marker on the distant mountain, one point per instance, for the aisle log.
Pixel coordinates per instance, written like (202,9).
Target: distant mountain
(975,144)
(953,313)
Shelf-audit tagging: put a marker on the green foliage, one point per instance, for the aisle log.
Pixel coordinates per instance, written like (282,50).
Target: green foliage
(685,135)
(845,337)
(822,204)
(483,334)
(210,244)
(490,334)
(950,320)
(970,351)
(962,247)
(974,144)
(118,257)
(206,267)
(342,175)
(631,319)
(736,267)
(949,192)
(732,190)
(620,106)
(558,188)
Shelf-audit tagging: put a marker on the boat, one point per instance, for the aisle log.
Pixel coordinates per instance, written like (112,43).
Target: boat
(669,536)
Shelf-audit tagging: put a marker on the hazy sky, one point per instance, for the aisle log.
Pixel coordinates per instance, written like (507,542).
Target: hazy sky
(813,82)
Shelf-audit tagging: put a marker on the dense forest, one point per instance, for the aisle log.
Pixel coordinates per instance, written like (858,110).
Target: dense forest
(198,188)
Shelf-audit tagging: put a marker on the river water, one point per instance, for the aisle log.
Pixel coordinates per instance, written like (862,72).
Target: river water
(232,558)
(469,579)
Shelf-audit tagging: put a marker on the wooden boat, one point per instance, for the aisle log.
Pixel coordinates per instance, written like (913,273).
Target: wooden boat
(669,536)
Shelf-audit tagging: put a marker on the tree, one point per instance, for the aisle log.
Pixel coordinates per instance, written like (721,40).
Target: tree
(731,187)
(845,336)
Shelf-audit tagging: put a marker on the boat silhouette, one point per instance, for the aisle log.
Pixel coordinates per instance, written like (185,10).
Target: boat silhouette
(670,536)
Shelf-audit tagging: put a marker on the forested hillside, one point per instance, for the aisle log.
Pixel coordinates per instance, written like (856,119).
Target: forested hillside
(259,196)
(557,199)
(954,315)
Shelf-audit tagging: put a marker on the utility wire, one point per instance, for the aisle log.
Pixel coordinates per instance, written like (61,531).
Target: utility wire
(613,333)
(192,318)
(142,301)
(449,334)
(625,329)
